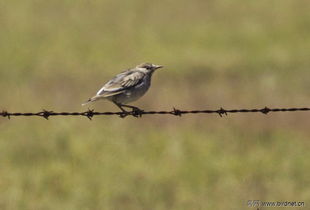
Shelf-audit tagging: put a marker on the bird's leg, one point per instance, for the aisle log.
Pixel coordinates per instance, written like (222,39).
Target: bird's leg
(136,112)
(125,113)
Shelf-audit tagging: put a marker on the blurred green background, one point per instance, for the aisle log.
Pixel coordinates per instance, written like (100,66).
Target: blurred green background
(232,54)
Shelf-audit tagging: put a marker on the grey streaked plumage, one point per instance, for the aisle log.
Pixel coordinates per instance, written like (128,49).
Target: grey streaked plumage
(127,86)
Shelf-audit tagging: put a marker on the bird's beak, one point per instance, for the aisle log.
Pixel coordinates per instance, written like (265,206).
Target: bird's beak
(158,66)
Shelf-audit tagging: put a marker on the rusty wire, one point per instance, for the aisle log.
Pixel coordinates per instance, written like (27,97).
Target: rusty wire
(138,113)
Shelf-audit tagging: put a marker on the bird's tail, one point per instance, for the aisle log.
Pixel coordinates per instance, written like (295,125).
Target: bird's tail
(92,99)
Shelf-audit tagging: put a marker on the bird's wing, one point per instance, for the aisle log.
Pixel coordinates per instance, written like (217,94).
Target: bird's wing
(121,82)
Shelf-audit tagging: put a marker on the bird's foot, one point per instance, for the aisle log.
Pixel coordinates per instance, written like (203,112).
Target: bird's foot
(136,112)
(124,114)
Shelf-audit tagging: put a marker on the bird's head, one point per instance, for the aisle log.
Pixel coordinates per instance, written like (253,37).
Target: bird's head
(149,67)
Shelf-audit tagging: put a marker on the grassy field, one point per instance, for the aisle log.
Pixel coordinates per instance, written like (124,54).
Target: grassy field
(232,54)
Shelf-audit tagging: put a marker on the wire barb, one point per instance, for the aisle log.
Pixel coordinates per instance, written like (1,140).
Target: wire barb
(90,113)
(45,114)
(6,114)
(176,112)
(265,110)
(137,112)
(221,111)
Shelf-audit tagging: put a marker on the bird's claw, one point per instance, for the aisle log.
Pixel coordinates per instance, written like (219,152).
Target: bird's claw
(136,112)
(124,114)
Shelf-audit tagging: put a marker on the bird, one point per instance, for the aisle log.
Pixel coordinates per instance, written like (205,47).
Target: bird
(126,87)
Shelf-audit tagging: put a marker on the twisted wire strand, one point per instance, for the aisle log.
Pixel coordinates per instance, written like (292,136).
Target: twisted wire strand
(139,113)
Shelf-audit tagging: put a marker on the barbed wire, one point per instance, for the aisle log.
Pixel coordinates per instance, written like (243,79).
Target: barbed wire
(138,113)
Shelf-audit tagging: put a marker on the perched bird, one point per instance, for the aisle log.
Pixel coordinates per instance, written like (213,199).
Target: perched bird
(127,86)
